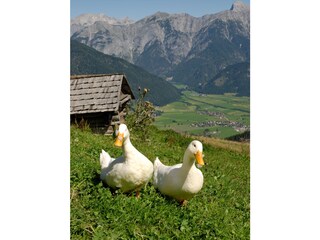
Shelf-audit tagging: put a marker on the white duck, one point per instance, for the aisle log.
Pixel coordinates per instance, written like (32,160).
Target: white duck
(181,181)
(129,172)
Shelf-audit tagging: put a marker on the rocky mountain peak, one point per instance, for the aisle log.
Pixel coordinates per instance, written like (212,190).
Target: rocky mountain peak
(89,19)
(160,15)
(238,6)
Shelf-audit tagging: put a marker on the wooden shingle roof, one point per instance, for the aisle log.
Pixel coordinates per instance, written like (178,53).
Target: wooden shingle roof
(98,93)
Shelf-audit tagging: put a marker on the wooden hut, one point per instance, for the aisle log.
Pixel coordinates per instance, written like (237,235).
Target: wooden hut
(99,100)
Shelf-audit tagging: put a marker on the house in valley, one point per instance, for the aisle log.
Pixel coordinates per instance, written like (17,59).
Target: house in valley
(99,100)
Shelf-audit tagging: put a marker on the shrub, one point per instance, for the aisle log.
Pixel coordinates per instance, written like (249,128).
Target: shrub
(140,114)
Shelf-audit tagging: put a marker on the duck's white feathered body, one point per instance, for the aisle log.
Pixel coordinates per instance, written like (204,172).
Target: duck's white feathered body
(129,172)
(181,181)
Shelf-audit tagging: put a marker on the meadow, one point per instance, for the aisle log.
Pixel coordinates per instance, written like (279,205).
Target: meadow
(192,108)
(221,210)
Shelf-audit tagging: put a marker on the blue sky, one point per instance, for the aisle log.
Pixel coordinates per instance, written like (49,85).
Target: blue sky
(137,9)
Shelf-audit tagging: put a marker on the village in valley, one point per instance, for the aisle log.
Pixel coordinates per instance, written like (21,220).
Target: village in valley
(223,122)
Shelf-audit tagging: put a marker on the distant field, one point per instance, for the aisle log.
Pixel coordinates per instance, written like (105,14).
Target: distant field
(206,114)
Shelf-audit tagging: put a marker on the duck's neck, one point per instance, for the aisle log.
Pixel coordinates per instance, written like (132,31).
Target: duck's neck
(188,161)
(127,147)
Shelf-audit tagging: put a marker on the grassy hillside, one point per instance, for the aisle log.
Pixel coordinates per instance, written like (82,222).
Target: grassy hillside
(221,210)
(205,114)
(86,60)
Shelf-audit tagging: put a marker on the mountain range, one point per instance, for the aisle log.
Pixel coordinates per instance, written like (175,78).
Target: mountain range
(86,60)
(177,47)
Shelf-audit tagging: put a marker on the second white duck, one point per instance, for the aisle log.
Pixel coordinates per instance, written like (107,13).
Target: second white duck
(181,181)
(129,172)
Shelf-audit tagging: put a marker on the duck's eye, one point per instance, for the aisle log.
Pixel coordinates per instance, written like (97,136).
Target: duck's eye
(194,145)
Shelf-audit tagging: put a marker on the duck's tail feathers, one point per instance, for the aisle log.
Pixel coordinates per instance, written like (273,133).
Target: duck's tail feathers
(105,159)
(156,165)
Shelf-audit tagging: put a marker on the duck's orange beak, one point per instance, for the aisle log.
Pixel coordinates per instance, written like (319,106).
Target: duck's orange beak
(199,158)
(119,140)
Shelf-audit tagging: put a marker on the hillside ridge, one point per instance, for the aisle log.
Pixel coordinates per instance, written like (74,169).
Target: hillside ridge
(87,61)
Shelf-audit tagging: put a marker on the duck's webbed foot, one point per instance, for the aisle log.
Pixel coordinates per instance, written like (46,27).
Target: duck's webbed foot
(138,194)
(183,203)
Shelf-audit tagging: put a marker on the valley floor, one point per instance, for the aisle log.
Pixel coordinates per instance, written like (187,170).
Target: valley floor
(210,115)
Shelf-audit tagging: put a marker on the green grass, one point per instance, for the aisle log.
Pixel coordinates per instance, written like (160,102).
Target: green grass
(221,210)
(179,115)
